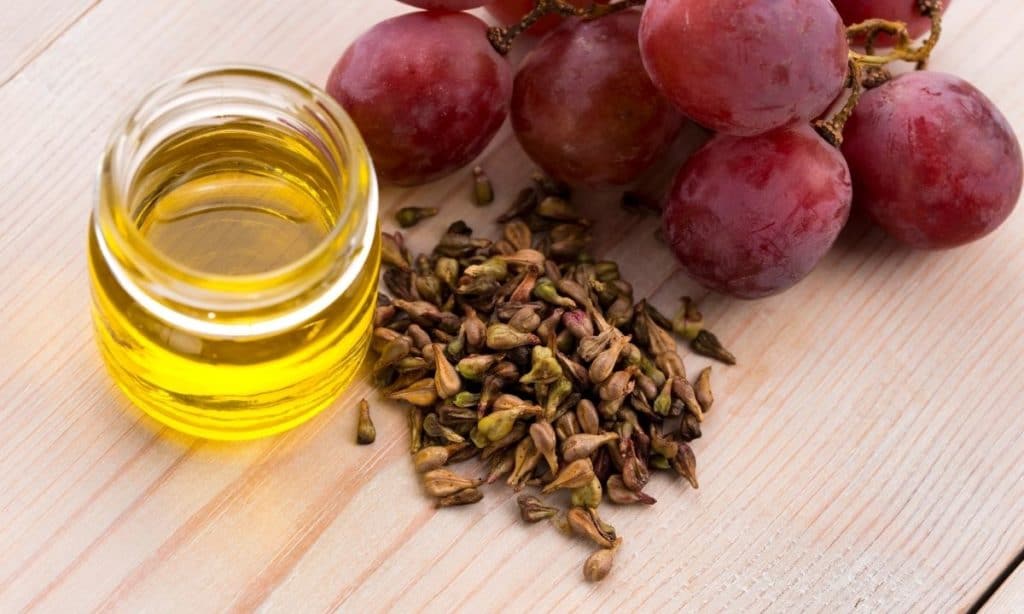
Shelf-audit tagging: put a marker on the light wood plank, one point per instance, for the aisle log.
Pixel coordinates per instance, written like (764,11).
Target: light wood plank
(1009,599)
(29,27)
(864,454)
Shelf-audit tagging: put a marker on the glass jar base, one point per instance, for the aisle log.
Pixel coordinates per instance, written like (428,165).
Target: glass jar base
(225,419)
(232,389)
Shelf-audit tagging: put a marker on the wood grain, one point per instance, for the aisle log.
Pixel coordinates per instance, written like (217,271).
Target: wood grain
(29,28)
(1009,599)
(866,453)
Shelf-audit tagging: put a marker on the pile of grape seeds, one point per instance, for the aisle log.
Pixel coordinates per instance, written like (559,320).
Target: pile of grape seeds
(532,357)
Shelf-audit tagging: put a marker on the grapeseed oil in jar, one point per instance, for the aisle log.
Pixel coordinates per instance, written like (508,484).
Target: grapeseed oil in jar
(234,254)
(223,214)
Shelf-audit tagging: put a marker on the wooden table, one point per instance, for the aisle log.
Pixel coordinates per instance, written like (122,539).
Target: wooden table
(866,454)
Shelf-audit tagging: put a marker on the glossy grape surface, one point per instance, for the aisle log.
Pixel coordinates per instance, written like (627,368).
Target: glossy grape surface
(856,11)
(744,67)
(751,216)
(583,107)
(426,90)
(933,161)
(445,5)
(511,11)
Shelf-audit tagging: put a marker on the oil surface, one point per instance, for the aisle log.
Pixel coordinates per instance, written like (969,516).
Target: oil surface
(235,223)
(239,198)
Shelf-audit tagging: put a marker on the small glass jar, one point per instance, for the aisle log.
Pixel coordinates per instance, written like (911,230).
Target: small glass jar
(234,253)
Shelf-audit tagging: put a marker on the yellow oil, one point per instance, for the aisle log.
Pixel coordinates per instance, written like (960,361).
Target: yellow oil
(235,223)
(242,198)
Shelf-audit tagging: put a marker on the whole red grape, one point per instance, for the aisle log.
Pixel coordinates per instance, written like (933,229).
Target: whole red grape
(446,5)
(426,90)
(856,11)
(511,11)
(583,107)
(933,161)
(751,216)
(745,67)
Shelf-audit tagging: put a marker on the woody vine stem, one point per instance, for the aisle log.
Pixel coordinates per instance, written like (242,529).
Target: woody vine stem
(501,37)
(867,68)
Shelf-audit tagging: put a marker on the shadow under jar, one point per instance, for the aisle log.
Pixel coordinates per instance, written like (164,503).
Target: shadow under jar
(234,253)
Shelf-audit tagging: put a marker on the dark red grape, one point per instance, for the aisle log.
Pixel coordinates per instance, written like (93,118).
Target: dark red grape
(856,11)
(933,161)
(751,216)
(584,109)
(511,11)
(744,67)
(426,90)
(446,5)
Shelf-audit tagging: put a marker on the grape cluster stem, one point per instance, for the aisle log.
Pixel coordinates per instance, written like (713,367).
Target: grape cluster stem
(832,129)
(501,37)
(869,66)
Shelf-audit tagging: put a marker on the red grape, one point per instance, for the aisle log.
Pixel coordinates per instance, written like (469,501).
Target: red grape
(426,90)
(584,109)
(933,161)
(511,11)
(744,67)
(446,5)
(751,216)
(856,11)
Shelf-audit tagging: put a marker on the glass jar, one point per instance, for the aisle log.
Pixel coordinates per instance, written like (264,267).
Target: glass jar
(234,253)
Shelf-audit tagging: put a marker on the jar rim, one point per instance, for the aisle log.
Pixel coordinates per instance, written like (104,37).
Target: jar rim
(179,283)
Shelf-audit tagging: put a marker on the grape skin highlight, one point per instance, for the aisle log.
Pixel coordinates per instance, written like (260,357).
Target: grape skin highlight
(426,90)
(752,216)
(934,162)
(584,109)
(745,67)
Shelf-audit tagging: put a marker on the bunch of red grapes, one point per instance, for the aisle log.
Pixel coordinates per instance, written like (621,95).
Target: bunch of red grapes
(597,101)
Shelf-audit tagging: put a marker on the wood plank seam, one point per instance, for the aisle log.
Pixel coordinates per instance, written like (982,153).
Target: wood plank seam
(46,46)
(1006,590)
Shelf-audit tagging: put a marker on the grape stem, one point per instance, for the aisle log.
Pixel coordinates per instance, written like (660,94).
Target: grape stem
(501,37)
(868,68)
(904,50)
(832,129)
